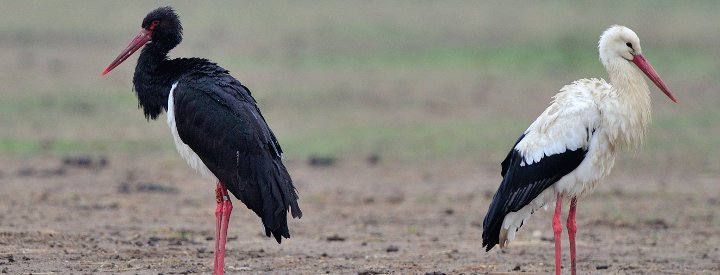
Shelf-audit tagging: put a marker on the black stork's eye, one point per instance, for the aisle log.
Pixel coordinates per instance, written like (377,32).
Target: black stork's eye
(154,24)
(629,44)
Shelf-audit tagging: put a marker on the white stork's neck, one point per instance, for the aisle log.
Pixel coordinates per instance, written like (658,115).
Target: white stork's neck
(633,112)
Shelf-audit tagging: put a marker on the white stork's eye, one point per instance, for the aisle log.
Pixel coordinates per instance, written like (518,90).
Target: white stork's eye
(629,44)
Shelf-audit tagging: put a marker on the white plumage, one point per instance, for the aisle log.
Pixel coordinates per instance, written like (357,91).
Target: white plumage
(575,120)
(185,151)
(572,145)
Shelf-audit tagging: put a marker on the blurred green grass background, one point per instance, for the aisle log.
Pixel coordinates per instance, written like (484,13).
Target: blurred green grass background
(412,81)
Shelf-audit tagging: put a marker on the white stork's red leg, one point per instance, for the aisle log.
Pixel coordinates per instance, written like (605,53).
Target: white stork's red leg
(557,229)
(222,216)
(572,228)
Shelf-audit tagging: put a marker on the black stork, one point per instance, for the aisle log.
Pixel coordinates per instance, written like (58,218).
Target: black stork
(216,125)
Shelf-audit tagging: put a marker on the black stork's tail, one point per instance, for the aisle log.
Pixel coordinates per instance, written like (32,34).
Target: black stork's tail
(270,193)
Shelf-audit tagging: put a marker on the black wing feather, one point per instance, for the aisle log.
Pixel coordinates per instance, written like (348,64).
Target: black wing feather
(218,118)
(522,184)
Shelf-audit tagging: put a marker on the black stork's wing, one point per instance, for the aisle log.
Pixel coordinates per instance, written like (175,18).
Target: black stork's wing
(220,121)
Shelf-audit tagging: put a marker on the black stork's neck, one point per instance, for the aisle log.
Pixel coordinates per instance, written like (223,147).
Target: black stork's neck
(153,79)
(155,74)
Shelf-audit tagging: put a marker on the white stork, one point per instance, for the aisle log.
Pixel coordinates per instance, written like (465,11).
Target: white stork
(572,145)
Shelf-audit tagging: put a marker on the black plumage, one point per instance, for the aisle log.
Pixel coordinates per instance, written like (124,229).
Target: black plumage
(522,184)
(217,117)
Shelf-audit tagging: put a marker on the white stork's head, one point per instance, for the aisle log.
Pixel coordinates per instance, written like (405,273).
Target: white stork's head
(618,42)
(619,46)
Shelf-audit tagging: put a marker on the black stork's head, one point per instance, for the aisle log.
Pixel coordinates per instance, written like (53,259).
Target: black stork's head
(161,27)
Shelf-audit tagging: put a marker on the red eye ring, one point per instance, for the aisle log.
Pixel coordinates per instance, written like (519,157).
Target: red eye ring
(154,24)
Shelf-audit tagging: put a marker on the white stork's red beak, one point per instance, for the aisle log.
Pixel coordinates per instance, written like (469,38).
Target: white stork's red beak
(143,37)
(644,66)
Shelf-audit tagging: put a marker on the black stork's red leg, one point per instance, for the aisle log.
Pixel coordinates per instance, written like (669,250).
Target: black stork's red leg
(557,229)
(222,215)
(572,228)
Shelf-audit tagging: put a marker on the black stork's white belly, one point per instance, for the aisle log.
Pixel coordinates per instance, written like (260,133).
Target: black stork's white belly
(185,151)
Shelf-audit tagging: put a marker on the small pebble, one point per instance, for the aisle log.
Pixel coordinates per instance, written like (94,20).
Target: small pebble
(392,248)
(335,238)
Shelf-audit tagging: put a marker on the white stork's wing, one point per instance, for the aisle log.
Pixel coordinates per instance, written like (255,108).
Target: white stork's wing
(553,146)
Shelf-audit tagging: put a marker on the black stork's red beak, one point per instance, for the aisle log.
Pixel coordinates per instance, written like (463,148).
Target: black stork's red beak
(143,37)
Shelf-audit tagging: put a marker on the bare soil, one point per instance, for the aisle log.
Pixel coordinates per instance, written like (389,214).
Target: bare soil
(153,215)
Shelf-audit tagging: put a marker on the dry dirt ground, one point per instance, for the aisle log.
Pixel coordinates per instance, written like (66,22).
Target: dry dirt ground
(153,215)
